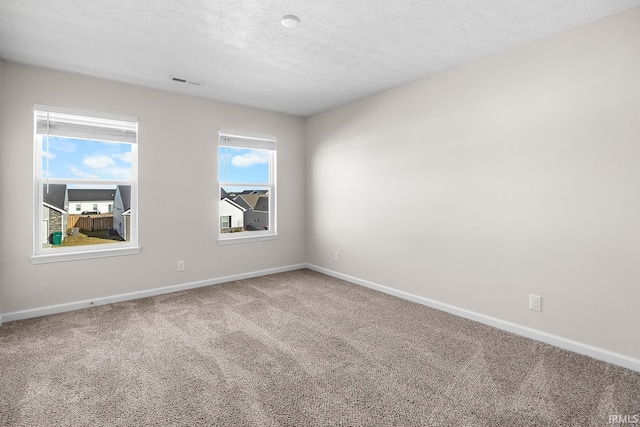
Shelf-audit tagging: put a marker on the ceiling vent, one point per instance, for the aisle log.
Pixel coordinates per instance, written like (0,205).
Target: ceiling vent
(185,81)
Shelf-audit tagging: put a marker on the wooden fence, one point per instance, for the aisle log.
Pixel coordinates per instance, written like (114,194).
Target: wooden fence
(91,222)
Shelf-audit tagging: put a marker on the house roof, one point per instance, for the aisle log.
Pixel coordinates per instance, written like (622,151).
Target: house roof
(90,195)
(242,202)
(223,194)
(125,195)
(232,203)
(55,195)
(250,199)
(262,204)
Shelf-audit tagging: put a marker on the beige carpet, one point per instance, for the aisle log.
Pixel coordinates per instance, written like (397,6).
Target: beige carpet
(294,349)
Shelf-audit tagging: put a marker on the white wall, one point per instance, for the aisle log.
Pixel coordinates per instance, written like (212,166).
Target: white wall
(522,175)
(177,167)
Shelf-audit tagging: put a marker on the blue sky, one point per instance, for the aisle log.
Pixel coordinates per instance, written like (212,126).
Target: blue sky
(84,159)
(243,165)
(96,160)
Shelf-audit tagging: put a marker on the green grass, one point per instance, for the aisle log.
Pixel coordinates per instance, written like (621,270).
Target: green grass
(90,238)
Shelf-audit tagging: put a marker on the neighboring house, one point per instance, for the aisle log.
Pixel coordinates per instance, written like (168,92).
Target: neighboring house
(231,215)
(256,216)
(122,211)
(249,198)
(54,211)
(241,202)
(83,201)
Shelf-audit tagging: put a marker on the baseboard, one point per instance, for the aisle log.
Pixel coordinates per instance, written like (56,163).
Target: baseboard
(77,305)
(561,342)
(557,341)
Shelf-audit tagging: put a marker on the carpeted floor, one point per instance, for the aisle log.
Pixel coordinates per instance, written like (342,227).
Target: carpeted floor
(294,349)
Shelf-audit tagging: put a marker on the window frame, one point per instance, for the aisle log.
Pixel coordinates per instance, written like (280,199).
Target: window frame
(245,140)
(41,254)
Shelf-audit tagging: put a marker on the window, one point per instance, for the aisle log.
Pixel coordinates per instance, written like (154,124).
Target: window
(88,161)
(246,178)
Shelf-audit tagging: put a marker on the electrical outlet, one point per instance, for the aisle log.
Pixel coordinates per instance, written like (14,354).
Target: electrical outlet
(535,302)
(336,256)
(180,265)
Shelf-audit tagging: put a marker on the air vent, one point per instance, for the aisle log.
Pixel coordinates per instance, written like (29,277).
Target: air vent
(189,82)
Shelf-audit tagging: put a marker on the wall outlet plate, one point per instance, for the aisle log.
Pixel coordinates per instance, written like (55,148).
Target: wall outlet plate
(535,302)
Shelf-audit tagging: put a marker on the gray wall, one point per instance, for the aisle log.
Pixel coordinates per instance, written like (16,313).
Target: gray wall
(178,194)
(2,201)
(512,175)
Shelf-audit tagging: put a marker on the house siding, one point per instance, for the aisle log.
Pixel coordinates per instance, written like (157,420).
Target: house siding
(103,207)
(56,221)
(256,220)
(236,214)
(121,213)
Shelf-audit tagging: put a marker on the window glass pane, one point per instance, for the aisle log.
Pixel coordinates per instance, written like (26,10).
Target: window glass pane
(244,209)
(69,158)
(105,216)
(244,165)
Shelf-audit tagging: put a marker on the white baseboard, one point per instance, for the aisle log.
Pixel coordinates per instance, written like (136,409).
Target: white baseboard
(557,341)
(60,308)
(561,342)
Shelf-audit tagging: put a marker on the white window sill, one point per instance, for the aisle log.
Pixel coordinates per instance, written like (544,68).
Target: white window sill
(85,254)
(245,239)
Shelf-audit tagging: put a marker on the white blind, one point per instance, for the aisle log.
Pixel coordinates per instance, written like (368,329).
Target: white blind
(60,122)
(244,140)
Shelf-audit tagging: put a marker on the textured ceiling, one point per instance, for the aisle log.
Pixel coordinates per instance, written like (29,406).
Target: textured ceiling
(343,50)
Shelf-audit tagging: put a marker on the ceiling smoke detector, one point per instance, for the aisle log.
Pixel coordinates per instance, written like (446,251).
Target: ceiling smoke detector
(189,82)
(290,21)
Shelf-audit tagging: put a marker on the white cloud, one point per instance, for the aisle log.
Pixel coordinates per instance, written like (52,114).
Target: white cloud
(125,157)
(48,155)
(98,162)
(250,159)
(101,167)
